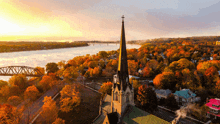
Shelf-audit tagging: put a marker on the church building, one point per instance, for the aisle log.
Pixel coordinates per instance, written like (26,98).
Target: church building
(119,108)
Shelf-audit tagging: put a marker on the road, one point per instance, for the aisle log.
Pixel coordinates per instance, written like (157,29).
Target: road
(169,116)
(36,106)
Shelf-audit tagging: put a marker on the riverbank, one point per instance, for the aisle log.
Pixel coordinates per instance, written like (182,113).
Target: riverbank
(32,46)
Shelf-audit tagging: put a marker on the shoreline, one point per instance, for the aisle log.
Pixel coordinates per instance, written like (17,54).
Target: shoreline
(83,45)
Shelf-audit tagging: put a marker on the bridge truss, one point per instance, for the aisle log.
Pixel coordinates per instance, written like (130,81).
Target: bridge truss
(14,70)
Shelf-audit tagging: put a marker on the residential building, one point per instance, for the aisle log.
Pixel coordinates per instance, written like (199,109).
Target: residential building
(161,93)
(214,105)
(185,96)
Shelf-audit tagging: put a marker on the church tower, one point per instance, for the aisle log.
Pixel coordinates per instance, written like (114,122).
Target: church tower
(122,90)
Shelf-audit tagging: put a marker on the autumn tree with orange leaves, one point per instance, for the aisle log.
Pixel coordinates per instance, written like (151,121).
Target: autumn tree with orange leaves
(20,81)
(47,82)
(106,88)
(59,121)
(49,110)
(166,80)
(211,75)
(69,98)
(147,97)
(10,114)
(132,67)
(31,93)
(14,100)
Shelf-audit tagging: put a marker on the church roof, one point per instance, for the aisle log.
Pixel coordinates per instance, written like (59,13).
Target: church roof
(138,116)
(106,106)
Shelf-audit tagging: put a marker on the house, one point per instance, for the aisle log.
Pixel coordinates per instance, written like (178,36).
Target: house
(161,93)
(214,105)
(185,96)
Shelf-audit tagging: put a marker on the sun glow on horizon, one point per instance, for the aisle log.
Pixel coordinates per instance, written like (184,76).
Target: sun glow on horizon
(19,23)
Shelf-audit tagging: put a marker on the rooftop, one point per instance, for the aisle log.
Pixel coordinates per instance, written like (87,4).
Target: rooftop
(107,104)
(185,93)
(162,91)
(138,116)
(215,102)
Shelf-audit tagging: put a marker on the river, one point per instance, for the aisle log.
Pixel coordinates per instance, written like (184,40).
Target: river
(42,57)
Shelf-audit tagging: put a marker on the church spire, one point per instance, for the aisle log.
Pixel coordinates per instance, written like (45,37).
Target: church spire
(122,61)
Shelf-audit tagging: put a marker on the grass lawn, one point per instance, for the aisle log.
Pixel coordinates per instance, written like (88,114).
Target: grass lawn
(86,111)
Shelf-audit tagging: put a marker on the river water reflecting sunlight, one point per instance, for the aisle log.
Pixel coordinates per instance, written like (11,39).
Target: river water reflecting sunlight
(42,57)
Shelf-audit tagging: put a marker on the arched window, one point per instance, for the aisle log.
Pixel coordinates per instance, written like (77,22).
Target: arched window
(116,96)
(127,97)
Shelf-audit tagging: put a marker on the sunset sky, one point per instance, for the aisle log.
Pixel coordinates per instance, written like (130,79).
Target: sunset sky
(101,19)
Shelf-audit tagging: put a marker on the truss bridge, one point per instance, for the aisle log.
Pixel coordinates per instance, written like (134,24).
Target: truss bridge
(14,70)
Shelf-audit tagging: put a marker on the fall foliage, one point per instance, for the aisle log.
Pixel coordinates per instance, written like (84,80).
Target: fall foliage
(147,97)
(69,98)
(106,88)
(49,110)
(10,114)
(31,93)
(59,121)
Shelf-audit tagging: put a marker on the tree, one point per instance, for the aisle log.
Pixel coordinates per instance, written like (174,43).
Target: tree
(10,114)
(211,75)
(3,83)
(51,67)
(19,80)
(136,84)
(69,98)
(14,100)
(41,70)
(166,80)
(132,67)
(147,97)
(61,64)
(59,121)
(49,110)
(93,64)
(31,93)
(70,73)
(5,92)
(106,88)
(103,54)
(171,102)
(46,82)
(147,72)
(96,72)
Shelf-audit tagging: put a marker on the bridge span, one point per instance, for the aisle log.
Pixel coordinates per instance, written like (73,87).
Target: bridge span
(14,70)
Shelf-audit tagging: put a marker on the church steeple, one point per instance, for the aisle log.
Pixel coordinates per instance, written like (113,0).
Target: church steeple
(122,91)
(122,61)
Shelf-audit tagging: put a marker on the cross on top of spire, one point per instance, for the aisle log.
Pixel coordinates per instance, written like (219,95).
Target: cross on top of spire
(123,18)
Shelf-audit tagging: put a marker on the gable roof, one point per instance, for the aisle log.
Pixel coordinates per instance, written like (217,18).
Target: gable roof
(185,93)
(163,92)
